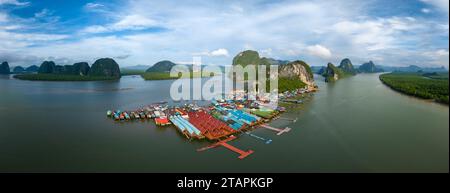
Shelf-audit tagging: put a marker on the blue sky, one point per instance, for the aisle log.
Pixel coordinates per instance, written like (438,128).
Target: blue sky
(142,32)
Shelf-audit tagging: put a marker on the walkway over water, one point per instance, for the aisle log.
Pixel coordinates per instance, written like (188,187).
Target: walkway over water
(243,154)
(280,131)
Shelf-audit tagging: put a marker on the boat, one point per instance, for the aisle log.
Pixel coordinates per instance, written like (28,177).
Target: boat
(127,116)
(109,113)
(162,121)
(136,116)
(142,115)
(157,114)
(116,117)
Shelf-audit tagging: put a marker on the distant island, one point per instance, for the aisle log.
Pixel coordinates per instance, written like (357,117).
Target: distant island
(102,69)
(369,67)
(291,75)
(161,71)
(333,73)
(433,86)
(347,69)
(4,68)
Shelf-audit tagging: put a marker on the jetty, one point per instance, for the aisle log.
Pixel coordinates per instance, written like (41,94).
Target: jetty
(217,122)
(242,154)
(279,131)
(266,141)
(288,119)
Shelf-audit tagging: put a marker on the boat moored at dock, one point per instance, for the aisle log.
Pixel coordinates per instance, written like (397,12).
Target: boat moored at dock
(218,121)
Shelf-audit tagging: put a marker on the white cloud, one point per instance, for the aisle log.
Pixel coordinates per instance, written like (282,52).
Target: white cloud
(319,51)
(129,22)
(438,57)
(442,52)
(266,52)
(291,29)
(13,2)
(93,6)
(378,34)
(10,27)
(442,5)
(425,10)
(43,13)
(134,22)
(218,52)
(31,36)
(95,29)
(3,17)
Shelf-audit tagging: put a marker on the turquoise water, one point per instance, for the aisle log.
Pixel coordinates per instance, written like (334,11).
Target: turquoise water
(354,125)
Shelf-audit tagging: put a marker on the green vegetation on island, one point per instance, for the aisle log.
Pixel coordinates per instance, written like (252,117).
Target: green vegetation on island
(289,84)
(4,68)
(106,67)
(247,57)
(32,68)
(432,86)
(161,71)
(347,66)
(333,73)
(369,67)
(102,69)
(18,70)
(294,75)
(61,77)
(291,75)
(161,66)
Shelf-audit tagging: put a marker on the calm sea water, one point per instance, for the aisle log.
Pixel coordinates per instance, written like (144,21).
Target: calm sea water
(354,125)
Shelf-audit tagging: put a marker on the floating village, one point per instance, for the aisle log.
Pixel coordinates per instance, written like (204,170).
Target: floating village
(220,121)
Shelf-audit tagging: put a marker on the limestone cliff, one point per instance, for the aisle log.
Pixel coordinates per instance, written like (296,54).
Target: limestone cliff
(297,69)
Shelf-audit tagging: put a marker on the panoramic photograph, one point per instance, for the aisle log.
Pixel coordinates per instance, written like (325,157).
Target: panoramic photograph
(257,86)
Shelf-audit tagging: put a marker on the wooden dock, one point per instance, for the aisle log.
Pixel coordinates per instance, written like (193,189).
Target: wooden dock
(288,119)
(242,154)
(279,131)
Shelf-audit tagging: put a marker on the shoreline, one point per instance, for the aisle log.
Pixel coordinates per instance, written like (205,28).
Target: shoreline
(409,94)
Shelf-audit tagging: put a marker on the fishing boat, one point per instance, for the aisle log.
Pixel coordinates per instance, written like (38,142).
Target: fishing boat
(135,116)
(116,117)
(142,115)
(162,121)
(127,116)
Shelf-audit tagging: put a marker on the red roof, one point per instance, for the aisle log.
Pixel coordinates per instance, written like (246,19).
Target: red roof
(161,120)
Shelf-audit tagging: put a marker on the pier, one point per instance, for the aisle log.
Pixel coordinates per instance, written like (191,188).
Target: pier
(218,122)
(288,119)
(279,131)
(242,154)
(266,141)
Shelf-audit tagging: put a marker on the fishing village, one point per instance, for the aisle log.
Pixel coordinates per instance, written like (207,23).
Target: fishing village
(218,122)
